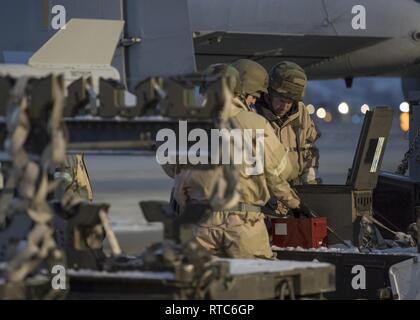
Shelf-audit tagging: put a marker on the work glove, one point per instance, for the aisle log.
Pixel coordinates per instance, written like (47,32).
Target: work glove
(301,212)
(275,208)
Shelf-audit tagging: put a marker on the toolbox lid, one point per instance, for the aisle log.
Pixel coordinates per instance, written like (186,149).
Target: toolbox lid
(370,149)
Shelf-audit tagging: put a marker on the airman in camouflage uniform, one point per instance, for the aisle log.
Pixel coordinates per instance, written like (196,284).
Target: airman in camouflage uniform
(284,109)
(240,231)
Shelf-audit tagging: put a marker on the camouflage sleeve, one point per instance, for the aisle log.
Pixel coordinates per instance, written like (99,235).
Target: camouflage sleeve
(312,133)
(277,168)
(310,174)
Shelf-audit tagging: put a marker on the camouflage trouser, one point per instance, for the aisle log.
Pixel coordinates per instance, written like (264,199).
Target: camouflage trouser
(235,235)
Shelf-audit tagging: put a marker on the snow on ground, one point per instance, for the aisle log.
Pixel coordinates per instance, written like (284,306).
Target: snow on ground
(391,251)
(242,266)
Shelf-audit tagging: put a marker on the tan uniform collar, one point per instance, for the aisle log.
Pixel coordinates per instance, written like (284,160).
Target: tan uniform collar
(239,105)
(266,112)
(293,117)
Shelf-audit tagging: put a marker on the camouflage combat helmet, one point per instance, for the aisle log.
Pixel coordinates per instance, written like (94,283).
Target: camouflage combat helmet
(222,69)
(288,79)
(253,76)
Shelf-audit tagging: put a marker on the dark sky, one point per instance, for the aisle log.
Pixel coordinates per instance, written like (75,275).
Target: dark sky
(372,91)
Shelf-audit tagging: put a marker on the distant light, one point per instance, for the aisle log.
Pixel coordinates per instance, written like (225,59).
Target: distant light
(328,117)
(365,108)
(405,121)
(356,119)
(321,113)
(405,107)
(310,108)
(343,108)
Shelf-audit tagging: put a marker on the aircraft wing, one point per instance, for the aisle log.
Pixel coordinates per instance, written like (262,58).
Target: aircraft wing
(268,49)
(305,31)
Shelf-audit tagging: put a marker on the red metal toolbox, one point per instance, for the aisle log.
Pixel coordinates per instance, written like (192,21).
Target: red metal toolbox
(304,233)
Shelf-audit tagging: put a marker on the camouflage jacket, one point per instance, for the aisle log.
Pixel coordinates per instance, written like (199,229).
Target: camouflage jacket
(255,189)
(298,134)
